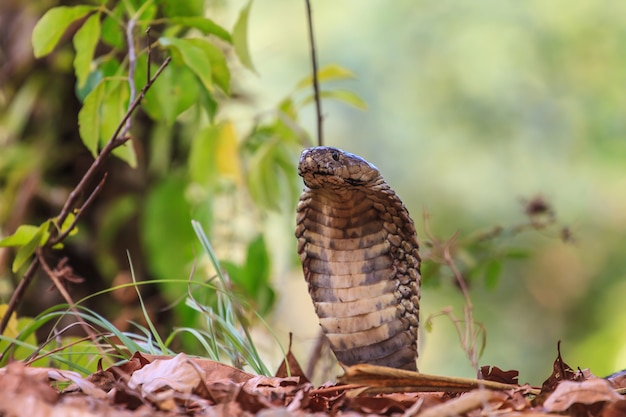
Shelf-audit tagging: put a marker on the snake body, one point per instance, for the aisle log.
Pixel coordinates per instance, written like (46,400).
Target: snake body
(359,254)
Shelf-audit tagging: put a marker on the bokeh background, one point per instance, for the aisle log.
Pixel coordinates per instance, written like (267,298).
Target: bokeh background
(472,109)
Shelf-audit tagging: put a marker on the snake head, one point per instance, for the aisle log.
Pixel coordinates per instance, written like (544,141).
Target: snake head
(324,166)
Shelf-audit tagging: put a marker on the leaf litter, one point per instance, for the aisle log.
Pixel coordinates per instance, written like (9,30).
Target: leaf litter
(148,385)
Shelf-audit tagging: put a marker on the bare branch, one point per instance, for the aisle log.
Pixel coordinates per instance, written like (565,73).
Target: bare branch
(316,89)
(80,211)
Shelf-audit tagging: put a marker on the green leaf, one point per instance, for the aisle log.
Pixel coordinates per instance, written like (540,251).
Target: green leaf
(328,73)
(100,116)
(126,153)
(52,25)
(167,235)
(90,118)
(240,37)
(214,154)
(93,79)
(254,276)
(27,250)
(66,224)
(344,96)
(112,32)
(174,92)
(194,57)
(257,267)
(288,107)
(206,26)
(22,236)
(262,179)
(492,273)
(271,173)
(113,107)
(208,103)
(516,253)
(219,69)
(183,8)
(202,164)
(85,42)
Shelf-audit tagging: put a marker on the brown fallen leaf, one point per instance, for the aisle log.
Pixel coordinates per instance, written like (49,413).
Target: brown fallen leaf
(587,392)
(618,379)
(19,380)
(290,367)
(615,409)
(105,379)
(560,372)
(498,375)
(463,404)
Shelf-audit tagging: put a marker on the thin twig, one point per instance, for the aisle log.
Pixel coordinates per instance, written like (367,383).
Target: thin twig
(468,309)
(18,294)
(114,142)
(149,47)
(132,64)
(466,334)
(33,357)
(316,89)
(81,210)
(316,354)
(54,276)
(457,274)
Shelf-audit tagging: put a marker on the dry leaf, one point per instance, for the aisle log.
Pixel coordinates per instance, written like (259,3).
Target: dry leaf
(616,409)
(587,392)
(618,379)
(498,375)
(291,367)
(464,403)
(176,373)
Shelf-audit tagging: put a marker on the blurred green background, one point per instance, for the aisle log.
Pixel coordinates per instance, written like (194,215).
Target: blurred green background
(472,107)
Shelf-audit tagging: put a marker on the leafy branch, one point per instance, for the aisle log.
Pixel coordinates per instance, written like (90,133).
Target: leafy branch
(58,233)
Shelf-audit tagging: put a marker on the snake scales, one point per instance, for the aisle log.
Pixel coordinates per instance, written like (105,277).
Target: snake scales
(359,255)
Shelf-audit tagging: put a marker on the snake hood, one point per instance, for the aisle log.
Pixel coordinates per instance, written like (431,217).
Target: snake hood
(324,166)
(359,254)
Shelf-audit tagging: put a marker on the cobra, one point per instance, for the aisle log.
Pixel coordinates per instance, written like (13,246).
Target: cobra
(359,253)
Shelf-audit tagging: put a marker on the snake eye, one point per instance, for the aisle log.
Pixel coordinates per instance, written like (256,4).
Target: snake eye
(335,155)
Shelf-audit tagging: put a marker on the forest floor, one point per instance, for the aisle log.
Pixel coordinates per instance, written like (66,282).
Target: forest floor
(184,386)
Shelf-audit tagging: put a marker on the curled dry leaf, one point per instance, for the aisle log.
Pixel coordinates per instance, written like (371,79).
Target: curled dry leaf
(465,403)
(587,392)
(177,373)
(618,379)
(496,374)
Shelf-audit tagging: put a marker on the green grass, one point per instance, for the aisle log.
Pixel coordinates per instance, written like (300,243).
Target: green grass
(225,334)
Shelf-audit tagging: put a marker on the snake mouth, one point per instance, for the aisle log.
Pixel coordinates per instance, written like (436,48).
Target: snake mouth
(354,183)
(331,177)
